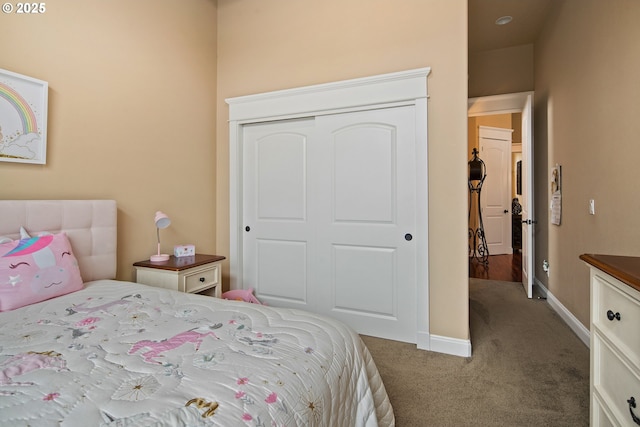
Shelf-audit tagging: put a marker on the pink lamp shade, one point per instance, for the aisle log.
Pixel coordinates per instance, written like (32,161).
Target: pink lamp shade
(162,221)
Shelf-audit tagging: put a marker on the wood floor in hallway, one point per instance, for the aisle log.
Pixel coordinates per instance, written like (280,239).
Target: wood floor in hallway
(500,267)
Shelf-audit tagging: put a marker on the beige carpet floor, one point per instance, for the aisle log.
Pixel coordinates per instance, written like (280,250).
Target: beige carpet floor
(527,368)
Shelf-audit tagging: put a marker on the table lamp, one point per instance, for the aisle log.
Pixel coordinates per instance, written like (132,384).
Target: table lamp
(162,221)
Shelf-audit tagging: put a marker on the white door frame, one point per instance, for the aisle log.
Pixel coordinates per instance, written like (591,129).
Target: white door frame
(387,90)
(521,102)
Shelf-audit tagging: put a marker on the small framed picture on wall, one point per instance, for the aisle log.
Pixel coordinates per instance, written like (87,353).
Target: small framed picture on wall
(23,118)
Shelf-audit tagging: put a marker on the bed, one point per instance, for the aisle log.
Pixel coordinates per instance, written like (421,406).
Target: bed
(116,353)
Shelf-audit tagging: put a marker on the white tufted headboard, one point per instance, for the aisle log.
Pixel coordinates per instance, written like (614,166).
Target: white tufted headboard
(91,226)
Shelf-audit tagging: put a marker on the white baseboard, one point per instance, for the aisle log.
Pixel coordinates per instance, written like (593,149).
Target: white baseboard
(423,341)
(447,345)
(576,326)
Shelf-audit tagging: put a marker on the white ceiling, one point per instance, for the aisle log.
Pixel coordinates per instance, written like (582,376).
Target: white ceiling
(484,34)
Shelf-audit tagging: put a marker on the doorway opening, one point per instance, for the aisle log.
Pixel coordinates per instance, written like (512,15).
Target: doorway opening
(498,140)
(513,112)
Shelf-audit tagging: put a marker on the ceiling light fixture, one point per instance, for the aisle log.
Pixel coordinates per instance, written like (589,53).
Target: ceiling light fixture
(503,20)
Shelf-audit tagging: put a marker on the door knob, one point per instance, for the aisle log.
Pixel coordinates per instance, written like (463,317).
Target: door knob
(247,228)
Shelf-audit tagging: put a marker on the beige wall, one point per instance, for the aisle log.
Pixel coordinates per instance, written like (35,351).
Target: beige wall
(508,70)
(587,93)
(279,44)
(131,113)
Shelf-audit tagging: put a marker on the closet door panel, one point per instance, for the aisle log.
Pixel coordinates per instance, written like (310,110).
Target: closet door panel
(364,291)
(276,227)
(281,270)
(364,162)
(280,162)
(368,201)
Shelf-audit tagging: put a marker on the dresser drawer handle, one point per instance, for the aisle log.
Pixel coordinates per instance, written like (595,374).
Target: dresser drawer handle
(611,315)
(202,279)
(632,405)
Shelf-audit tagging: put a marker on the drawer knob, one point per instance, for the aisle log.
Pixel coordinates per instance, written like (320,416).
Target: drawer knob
(611,315)
(632,405)
(202,279)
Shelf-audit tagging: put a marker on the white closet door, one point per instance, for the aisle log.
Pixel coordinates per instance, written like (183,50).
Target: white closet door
(330,205)
(278,235)
(366,234)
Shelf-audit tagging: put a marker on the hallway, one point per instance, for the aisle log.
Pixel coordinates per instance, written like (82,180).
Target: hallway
(500,267)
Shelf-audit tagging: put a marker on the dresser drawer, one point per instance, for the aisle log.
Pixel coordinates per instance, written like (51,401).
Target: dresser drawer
(614,381)
(612,299)
(198,279)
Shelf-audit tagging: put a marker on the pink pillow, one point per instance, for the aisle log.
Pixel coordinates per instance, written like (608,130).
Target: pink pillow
(35,269)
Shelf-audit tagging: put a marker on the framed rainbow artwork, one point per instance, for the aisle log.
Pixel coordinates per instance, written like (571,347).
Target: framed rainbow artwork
(23,118)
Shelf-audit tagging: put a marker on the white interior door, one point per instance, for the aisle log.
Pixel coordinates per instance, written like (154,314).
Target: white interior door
(527,196)
(368,221)
(329,217)
(278,234)
(495,200)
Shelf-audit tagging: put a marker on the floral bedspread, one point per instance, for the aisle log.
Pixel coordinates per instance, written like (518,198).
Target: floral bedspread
(123,354)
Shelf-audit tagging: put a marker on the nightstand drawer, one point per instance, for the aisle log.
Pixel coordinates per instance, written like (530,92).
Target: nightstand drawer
(202,279)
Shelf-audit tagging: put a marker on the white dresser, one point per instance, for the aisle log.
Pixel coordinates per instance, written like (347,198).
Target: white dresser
(615,340)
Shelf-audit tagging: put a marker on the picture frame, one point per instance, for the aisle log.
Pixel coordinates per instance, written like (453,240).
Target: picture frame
(519,177)
(23,118)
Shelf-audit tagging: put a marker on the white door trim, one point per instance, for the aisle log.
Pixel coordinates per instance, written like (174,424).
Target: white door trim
(401,88)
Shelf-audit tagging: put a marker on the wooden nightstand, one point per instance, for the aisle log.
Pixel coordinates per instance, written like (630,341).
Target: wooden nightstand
(193,274)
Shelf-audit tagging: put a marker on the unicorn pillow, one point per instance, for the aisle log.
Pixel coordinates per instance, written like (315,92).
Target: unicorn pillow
(35,269)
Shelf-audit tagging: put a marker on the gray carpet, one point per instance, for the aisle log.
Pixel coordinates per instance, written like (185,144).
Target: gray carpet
(527,368)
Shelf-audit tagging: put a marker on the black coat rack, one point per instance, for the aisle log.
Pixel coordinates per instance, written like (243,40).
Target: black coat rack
(478,249)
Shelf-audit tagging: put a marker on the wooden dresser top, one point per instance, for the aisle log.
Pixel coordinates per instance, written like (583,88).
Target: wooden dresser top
(624,268)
